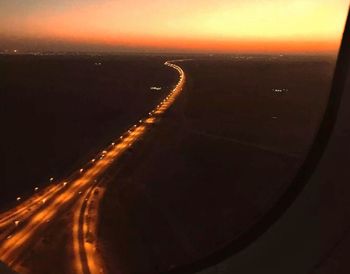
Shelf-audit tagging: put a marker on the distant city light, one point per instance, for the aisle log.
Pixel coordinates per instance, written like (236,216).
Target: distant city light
(279,90)
(155,88)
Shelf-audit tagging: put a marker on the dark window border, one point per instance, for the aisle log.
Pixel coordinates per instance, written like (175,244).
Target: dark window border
(304,174)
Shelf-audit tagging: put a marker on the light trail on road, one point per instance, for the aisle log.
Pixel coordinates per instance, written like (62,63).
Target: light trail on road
(78,196)
(86,256)
(27,206)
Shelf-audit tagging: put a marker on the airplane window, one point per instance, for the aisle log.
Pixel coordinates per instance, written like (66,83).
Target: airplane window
(141,136)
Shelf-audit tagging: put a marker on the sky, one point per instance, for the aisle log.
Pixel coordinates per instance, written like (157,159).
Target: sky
(173,25)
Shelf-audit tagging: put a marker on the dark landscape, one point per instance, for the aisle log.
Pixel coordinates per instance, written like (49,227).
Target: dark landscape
(217,162)
(59,110)
(208,171)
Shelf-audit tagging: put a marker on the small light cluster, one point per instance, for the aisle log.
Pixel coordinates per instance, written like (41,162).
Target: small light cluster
(279,90)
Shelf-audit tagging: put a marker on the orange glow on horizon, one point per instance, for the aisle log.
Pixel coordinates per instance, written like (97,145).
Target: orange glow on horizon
(228,26)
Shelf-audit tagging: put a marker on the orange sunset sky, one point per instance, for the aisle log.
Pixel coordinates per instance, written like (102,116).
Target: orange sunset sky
(179,25)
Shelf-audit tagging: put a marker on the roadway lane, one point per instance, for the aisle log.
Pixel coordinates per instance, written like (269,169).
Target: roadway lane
(22,226)
(87,259)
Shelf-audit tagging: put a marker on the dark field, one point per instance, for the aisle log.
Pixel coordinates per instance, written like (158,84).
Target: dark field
(57,111)
(217,162)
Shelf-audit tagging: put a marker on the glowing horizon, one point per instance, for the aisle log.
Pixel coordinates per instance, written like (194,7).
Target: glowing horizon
(194,25)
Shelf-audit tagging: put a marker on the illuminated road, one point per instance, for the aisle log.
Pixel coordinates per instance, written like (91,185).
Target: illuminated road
(80,194)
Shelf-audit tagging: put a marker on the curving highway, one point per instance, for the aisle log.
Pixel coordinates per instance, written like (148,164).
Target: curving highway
(80,194)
